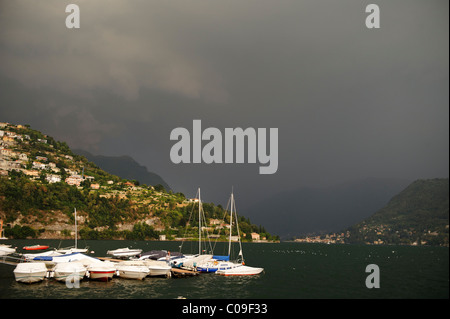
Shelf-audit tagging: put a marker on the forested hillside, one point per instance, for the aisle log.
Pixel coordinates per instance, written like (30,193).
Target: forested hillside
(418,215)
(42,182)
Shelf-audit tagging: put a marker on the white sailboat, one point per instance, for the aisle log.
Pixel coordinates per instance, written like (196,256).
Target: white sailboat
(236,268)
(73,249)
(240,270)
(190,262)
(223,262)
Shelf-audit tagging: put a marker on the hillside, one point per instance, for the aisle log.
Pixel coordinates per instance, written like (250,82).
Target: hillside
(125,167)
(42,181)
(418,215)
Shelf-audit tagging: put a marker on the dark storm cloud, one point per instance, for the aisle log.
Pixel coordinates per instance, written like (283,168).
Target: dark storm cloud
(349,102)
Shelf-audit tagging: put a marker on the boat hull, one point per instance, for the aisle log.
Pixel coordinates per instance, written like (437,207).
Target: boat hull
(6,250)
(159,271)
(101,275)
(36,247)
(30,278)
(207,269)
(137,273)
(69,275)
(214,266)
(103,271)
(30,272)
(241,271)
(124,252)
(71,271)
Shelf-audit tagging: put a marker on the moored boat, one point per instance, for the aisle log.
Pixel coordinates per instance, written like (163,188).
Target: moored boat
(73,249)
(102,271)
(215,265)
(237,268)
(53,257)
(161,255)
(30,272)
(241,270)
(124,252)
(69,271)
(35,247)
(132,270)
(6,250)
(158,268)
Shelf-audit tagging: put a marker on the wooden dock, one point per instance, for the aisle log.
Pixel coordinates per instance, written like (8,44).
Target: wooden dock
(111,259)
(179,273)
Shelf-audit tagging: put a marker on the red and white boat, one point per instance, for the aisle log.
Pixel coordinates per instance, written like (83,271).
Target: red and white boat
(35,247)
(102,271)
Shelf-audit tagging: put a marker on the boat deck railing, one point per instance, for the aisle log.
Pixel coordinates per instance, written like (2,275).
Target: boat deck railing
(12,260)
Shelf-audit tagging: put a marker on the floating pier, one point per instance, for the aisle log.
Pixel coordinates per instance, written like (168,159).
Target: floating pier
(178,272)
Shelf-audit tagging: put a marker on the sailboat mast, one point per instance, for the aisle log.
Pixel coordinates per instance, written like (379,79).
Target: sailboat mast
(76,233)
(231,224)
(199,224)
(238,233)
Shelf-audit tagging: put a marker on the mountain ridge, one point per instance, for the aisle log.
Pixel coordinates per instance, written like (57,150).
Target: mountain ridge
(418,215)
(125,167)
(324,209)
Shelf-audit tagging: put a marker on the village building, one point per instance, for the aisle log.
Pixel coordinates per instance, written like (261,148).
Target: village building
(95,186)
(51,178)
(255,236)
(74,180)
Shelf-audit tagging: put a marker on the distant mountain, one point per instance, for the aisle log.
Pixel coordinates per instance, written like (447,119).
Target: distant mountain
(322,210)
(124,167)
(417,215)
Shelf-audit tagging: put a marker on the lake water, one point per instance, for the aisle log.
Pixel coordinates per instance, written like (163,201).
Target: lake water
(292,271)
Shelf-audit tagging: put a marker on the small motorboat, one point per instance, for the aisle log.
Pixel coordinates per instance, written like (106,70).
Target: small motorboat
(124,252)
(132,270)
(102,271)
(6,250)
(30,272)
(240,271)
(71,250)
(35,247)
(69,271)
(158,268)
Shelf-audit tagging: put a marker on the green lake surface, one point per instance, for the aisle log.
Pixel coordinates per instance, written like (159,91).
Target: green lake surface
(291,271)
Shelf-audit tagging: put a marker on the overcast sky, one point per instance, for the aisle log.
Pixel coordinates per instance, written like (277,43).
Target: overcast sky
(349,102)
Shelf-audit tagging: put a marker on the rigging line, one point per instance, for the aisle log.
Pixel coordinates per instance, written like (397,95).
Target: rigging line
(188,223)
(239,235)
(206,231)
(223,220)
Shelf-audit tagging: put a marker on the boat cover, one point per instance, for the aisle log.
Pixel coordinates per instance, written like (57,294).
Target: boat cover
(156,254)
(43,258)
(221,258)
